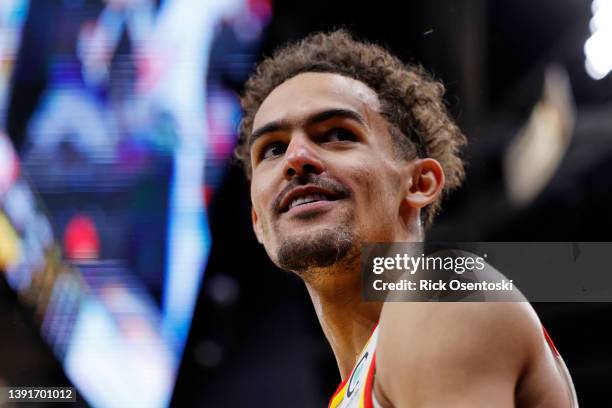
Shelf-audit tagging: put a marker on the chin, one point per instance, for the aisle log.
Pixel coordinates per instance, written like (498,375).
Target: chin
(319,247)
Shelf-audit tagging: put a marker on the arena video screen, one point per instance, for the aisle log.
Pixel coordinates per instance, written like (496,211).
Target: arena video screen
(103,207)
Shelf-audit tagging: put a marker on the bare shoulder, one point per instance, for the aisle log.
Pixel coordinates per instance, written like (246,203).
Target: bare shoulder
(494,323)
(425,347)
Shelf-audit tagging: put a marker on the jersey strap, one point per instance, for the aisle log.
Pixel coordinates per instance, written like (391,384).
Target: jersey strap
(355,391)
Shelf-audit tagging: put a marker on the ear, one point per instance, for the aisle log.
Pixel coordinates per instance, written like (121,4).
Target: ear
(425,179)
(256,226)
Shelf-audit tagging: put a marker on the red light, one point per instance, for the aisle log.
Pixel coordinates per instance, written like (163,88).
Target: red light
(81,240)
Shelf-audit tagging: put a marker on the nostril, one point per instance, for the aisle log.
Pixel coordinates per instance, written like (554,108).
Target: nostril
(301,164)
(308,168)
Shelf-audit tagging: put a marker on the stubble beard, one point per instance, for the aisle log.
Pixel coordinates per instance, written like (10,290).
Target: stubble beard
(308,252)
(319,249)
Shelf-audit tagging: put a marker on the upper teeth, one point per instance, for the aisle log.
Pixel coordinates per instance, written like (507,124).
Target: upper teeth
(307,199)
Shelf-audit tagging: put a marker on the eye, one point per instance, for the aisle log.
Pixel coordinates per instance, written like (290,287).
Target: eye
(340,135)
(273,149)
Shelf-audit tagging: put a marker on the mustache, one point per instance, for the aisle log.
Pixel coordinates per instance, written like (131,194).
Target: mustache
(338,189)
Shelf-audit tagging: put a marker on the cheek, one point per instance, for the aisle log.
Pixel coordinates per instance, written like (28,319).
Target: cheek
(377,193)
(261,200)
(258,202)
(375,183)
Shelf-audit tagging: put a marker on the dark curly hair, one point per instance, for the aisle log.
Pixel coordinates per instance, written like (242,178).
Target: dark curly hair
(410,99)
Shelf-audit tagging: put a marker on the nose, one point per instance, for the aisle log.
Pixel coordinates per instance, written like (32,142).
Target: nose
(301,157)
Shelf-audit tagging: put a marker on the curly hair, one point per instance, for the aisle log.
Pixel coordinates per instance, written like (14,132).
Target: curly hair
(410,99)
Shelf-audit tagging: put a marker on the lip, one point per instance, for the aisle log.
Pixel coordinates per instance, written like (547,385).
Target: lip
(312,207)
(302,191)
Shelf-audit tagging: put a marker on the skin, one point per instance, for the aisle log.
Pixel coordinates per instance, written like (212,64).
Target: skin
(481,355)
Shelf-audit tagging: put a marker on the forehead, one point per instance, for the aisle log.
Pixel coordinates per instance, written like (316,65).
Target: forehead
(310,92)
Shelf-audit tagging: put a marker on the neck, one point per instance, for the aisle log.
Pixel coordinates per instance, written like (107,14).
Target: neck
(346,319)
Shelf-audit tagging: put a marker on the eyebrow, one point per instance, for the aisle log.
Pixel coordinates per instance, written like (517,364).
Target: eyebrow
(318,117)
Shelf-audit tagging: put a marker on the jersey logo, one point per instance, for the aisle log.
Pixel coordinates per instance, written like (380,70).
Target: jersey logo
(356,376)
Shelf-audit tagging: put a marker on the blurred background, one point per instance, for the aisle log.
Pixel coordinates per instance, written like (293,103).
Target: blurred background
(128,265)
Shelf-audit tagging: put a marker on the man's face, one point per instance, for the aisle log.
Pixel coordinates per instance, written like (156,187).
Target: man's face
(325,177)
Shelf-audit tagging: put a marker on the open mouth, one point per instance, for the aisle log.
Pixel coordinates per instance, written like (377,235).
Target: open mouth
(307,199)
(303,196)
